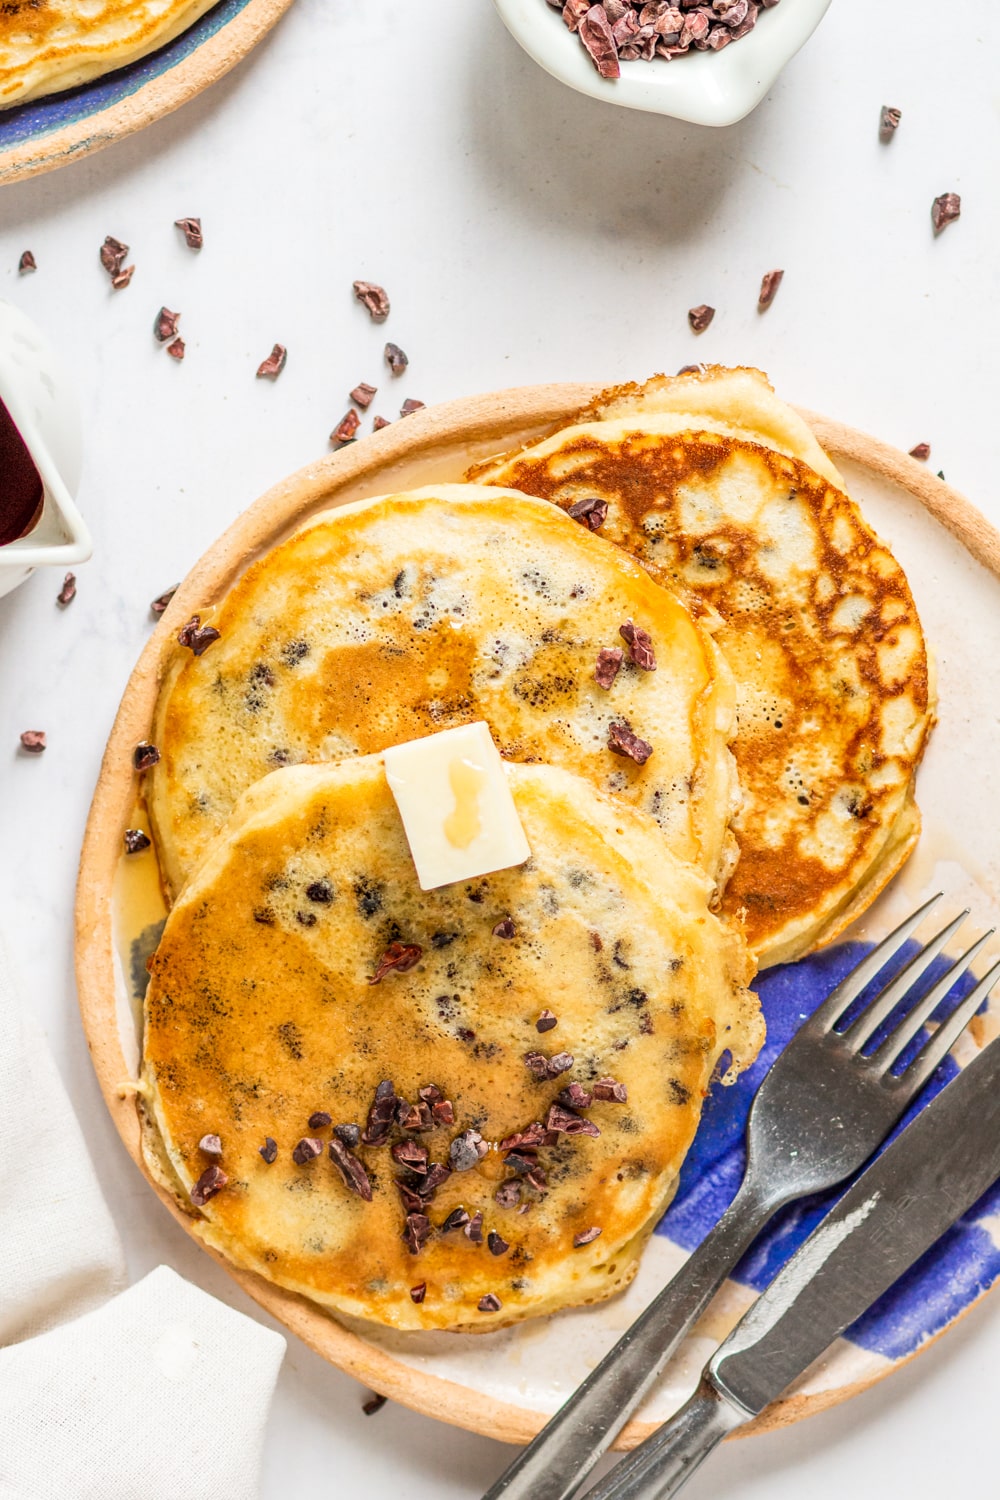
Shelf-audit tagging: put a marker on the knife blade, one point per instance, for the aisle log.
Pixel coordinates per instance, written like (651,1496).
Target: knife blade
(930,1175)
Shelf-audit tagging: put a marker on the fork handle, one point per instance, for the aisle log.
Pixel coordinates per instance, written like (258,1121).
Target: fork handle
(558,1460)
(660,1466)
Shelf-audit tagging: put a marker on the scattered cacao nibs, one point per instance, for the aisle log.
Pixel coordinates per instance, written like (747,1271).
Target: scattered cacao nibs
(364,394)
(412,1155)
(374,298)
(543,1068)
(113,254)
(67,593)
(192,232)
(320,891)
(269,1150)
(587,1236)
(395,359)
(379,422)
(307,1150)
(347,429)
(196,636)
(121,279)
(921,451)
(497,1244)
(531,1138)
(699,317)
(610,1089)
(33,741)
(770,282)
(568,1122)
(490,1303)
(381,1115)
(561,1063)
(351,1170)
(621,741)
(508,1194)
(609,660)
(466,1151)
(398,958)
(443,1112)
(640,646)
(457,1219)
(211,1181)
(430,1093)
(349,1134)
(945,210)
(418,1292)
(416,1117)
(271,367)
(319,1119)
(437,1175)
(177,349)
(504,929)
(165,325)
(145,755)
(27,262)
(161,601)
(474,1229)
(591,512)
(136,841)
(409,406)
(546,1021)
(888,122)
(416,1232)
(211,1145)
(411,1200)
(575,1096)
(373,1404)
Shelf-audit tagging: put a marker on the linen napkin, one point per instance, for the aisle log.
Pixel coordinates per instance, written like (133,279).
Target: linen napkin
(150,1393)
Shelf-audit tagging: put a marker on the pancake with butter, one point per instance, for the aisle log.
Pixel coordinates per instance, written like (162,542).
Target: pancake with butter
(511,1162)
(50,45)
(818,625)
(398,616)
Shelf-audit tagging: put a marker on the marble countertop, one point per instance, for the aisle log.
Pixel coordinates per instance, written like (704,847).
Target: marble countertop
(525,234)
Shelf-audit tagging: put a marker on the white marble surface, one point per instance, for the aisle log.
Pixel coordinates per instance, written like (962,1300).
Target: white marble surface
(525,233)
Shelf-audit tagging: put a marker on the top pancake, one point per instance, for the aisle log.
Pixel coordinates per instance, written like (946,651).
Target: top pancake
(50,45)
(819,628)
(261,1013)
(398,616)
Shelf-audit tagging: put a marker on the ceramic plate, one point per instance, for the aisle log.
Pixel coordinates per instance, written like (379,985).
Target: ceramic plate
(47,133)
(507,1383)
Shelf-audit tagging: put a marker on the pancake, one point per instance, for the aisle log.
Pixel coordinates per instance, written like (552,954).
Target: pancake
(397,616)
(50,45)
(820,630)
(261,1011)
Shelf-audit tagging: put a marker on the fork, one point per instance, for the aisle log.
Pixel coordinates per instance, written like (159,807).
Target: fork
(823,1108)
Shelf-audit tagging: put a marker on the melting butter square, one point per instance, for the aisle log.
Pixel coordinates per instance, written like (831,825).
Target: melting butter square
(455,802)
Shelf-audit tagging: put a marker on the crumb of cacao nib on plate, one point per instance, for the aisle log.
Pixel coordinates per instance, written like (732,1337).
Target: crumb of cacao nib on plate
(416,1232)
(587,1236)
(177,349)
(319,1118)
(135,841)
(211,1181)
(546,1021)
(191,230)
(610,1089)
(490,1303)
(888,122)
(211,1146)
(374,298)
(161,601)
(609,660)
(269,1150)
(33,741)
(307,1150)
(466,1151)
(346,429)
(379,422)
(351,1170)
(113,254)
(640,646)
(457,1219)
(921,451)
(165,325)
(349,1134)
(621,741)
(196,636)
(396,359)
(945,210)
(145,755)
(504,929)
(364,394)
(591,512)
(409,406)
(373,1404)
(418,1292)
(769,284)
(122,278)
(27,262)
(271,367)
(67,593)
(699,317)
(474,1229)
(398,958)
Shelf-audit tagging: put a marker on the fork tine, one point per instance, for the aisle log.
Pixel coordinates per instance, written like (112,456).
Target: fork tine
(885,1055)
(916,1075)
(886,1000)
(850,987)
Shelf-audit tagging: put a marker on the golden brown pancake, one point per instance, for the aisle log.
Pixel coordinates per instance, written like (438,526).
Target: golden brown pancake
(261,1017)
(820,630)
(398,616)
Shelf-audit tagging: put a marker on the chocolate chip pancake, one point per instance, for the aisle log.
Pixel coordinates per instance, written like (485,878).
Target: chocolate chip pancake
(818,625)
(436,1109)
(394,617)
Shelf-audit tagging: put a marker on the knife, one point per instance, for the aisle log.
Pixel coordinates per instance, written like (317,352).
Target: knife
(924,1180)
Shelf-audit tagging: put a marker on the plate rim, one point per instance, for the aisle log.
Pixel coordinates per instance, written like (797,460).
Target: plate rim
(506,416)
(159,96)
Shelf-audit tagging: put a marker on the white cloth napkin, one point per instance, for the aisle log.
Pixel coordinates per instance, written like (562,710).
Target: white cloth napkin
(158,1392)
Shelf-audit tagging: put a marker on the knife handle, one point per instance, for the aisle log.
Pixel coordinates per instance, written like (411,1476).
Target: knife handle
(660,1466)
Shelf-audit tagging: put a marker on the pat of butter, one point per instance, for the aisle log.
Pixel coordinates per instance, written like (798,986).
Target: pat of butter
(455,802)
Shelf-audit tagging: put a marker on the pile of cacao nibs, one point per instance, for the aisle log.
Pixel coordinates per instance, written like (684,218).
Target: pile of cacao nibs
(627,30)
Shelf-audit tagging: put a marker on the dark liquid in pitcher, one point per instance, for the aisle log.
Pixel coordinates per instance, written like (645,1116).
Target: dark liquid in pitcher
(21,491)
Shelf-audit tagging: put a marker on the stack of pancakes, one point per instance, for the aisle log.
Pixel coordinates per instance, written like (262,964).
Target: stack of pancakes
(462,1107)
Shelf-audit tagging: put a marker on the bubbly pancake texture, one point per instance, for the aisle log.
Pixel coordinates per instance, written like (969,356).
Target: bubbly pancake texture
(261,1016)
(50,45)
(398,616)
(820,630)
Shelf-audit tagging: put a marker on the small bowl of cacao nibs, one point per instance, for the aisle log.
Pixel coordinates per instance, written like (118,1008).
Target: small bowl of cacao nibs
(707,61)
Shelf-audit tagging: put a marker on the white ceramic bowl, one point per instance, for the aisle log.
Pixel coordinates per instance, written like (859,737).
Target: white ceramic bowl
(42,403)
(707,88)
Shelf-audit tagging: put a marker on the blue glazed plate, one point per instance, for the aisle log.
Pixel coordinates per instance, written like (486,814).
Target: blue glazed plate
(47,133)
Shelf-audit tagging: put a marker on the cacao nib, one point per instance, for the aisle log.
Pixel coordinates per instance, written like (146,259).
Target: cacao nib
(945,210)
(415,1117)
(136,841)
(349,1134)
(381,1115)
(437,1175)
(587,1236)
(457,1219)
(566,1122)
(622,741)
(561,1063)
(640,646)
(27,262)
(508,1194)
(610,1089)
(398,957)
(395,359)
(412,1155)
(319,1119)
(523,1161)
(307,1150)
(532,1137)
(770,282)
(609,660)
(373,1404)
(374,298)
(430,1093)
(122,278)
(346,429)
(537,1180)
(113,254)
(165,326)
(591,512)
(699,317)
(161,601)
(888,121)
(497,1244)
(466,1150)
(416,1233)
(444,1112)
(196,636)
(574,1096)
(418,1292)
(33,741)
(363,394)
(409,406)
(67,593)
(271,367)
(596,35)
(269,1150)
(504,929)
(191,230)
(211,1146)
(351,1170)
(409,1197)
(211,1181)
(490,1303)
(176,349)
(543,1067)
(546,1021)
(379,422)
(921,451)
(145,755)
(474,1229)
